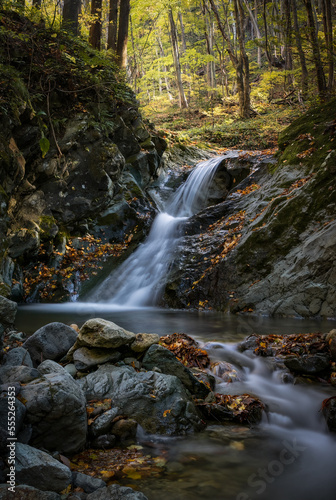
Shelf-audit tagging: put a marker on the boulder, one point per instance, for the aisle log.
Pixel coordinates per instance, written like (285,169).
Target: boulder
(17,357)
(329,413)
(38,469)
(21,374)
(157,402)
(88,483)
(20,412)
(159,356)
(85,358)
(143,341)
(52,341)
(309,364)
(101,333)
(331,339)
(8,310)
(27,493)
(104,422)
(56,408)
(116,492)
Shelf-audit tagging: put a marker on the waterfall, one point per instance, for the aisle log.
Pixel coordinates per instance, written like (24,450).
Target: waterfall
(139,281)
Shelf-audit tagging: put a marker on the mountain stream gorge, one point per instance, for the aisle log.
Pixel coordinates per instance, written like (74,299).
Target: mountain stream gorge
(290,455)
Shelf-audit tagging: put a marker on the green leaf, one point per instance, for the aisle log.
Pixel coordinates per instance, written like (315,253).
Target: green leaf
(44,146)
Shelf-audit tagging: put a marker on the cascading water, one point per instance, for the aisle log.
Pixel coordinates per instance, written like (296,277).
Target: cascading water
(140,279)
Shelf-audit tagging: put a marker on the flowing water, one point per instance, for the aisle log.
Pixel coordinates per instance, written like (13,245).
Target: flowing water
(139,281)
(290,456)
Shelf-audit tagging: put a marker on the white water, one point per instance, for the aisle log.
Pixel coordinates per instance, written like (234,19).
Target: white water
(140,279)
(304,451)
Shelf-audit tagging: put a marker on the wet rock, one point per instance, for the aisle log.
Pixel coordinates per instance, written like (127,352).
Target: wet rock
(27,493)
(56,409)
(103,334)
(250,343)
(308,364)
(144,341)
(17,357)
(105,441)
(331,340)
(204,377)
(85,358)
(125,429)
(38,469)
(88,483)
(329,413)
(164,359)
(242,408)
(103,423)
(22,374)
(50,342)
(8,310)
(116,492)
(157,402)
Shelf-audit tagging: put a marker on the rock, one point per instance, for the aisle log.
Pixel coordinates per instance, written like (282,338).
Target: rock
(105,441)
(56,409)
(104,422)
(8,310)
(38,469)
(157,402)
(116,492)
(20,412)
(103,334)
(161,357)
(204,377)
(226,372)
(27,493)
(331,339)
(143,341)
(22,374)
(85,358)
(329,413)
(125,429)
(88,483)
(50,342)
(308,364)
(18,356)
(71,369)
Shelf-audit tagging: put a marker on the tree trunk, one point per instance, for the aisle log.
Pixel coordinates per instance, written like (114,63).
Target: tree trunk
(113,25)
(288,40)
(96,26)
(304,71)
(255,26)
(243,69)
(37,3)
(124,13)
(328,33)
(170,97)
(71,10)
(182,98)
(321,83)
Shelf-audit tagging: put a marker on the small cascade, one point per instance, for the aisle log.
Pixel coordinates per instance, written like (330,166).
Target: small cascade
(139,281)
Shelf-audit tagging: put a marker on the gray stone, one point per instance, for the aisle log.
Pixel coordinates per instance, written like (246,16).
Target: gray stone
(104,422)
(105,441)
(88,483)
(143,341)
(331,339)
(125,428)
(56,408)
(18,356)
(22,374)
(24,492)
(116,492)
(20,412)
(85,358)
(50,342)
(329,413)
(158,402)
(309,364)
(103,334)
(38,469)
(71,369)
(48,366)
(164,359)
(8,310)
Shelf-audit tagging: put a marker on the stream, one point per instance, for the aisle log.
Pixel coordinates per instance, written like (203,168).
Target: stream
(290,455)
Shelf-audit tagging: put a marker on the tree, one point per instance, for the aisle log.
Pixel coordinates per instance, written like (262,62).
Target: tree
(71,11)
(176,56)
(328,33)
(96,26)
(124,13)
(321,82)
(302,57)
(113,25)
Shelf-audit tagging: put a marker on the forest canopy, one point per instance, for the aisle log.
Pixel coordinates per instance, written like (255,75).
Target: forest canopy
(201,53)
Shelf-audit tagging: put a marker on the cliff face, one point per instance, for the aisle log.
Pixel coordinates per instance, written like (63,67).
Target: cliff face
(75,158)
(270,247)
